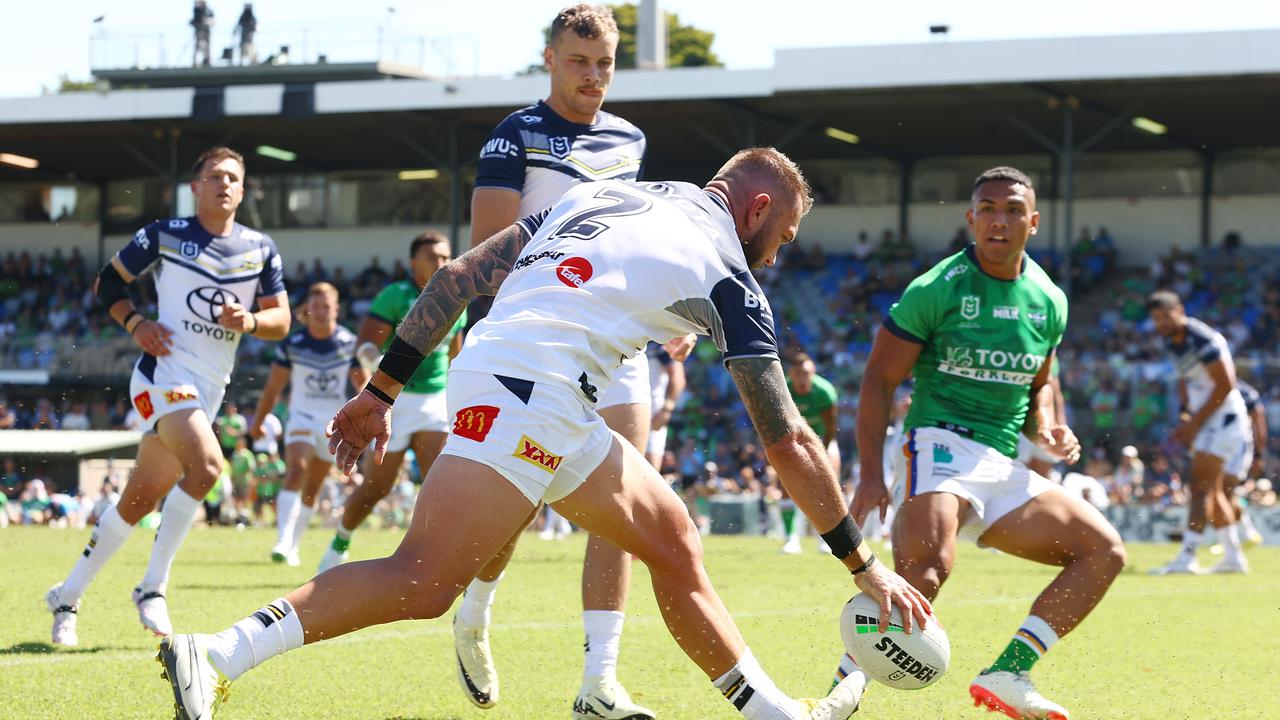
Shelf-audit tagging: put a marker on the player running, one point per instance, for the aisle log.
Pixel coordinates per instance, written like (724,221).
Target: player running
(315,363)
(815,397)
(1213,424)
(209,270)
(422,422)
(530,160)
(522,395)
(978,333)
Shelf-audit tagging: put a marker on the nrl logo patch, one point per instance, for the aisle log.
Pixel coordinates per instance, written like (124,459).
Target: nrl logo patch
(969,307)
(560,147)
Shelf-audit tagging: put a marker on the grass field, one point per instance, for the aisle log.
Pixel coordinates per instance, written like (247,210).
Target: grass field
(1158,647)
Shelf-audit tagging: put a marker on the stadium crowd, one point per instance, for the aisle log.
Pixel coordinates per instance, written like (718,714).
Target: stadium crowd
(1117,378)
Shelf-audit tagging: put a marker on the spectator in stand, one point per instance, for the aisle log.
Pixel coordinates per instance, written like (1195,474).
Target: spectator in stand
(107,496)
(1162,485)
(75,418)
(44,418)
(11,480)
(230,426)
(862,247)
(1127,479)
(37,508)
(8,418)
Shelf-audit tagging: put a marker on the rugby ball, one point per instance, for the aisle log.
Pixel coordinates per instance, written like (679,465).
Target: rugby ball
(894,658)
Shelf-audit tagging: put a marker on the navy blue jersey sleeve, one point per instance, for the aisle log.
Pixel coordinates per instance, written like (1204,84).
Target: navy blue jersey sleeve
(533,222)
(501,162)
(142,250)
(746,322)
(271,281)
(281,355)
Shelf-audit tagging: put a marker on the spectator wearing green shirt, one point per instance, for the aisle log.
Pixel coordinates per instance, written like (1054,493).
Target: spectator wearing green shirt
(268,473)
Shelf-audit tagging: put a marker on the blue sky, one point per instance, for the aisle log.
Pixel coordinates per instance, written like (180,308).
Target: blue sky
(502,36)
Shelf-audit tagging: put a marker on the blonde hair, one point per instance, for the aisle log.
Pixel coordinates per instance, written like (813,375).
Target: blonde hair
(771,166)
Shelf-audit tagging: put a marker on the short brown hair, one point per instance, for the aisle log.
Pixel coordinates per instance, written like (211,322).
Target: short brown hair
(1163,300)
(428,237)
(323,288)
(217,154)
(586,21)
(771,165)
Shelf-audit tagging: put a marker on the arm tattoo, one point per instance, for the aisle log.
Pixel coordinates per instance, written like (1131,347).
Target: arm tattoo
(479,271)
(764,392)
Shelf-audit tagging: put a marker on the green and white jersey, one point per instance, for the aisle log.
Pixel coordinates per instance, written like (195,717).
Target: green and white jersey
(812,404)
(984,339)
(390,306)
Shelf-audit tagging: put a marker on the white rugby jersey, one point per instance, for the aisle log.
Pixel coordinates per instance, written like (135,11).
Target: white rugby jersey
(539,154)
(196,273)
(319,378)
(609,268)
(1202,346)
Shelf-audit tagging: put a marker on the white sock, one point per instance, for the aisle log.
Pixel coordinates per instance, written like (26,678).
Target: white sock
(846,668)
(343,532)
(273,630)
(798,526)
(176,517)
(1036,634)
(1231,536)
(286,517)
(107,538)
(302,522)
(1246,522)
(473,611)
(754,694)
(604,632)
(1190,541)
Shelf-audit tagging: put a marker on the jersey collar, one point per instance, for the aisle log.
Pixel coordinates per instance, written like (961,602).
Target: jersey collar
(971,253)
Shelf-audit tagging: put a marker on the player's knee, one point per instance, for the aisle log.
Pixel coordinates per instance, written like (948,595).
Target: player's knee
(1113,554)
(679,549)
(425,595)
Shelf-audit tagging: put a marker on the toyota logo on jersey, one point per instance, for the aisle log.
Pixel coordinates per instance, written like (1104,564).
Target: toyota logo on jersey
(323,383)
(574,272)
(206,302)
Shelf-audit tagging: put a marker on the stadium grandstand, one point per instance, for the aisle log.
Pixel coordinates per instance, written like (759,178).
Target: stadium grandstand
(1156,159)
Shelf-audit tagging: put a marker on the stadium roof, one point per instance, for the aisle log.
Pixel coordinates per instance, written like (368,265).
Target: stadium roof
(78,443)
(1210,90)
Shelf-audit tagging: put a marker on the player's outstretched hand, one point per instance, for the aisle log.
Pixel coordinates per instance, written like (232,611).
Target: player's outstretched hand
(362,420)
(888,588)
(154,338)
(679,348)
(1061,442)
(871,494)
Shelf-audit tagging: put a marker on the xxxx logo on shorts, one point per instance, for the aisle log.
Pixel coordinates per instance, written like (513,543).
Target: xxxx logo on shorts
(179,394)
(142,401)
(532,452)
(475,422)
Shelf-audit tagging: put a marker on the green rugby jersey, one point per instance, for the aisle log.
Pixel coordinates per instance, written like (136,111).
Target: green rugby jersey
(984,339)
(820,397)
(390,306)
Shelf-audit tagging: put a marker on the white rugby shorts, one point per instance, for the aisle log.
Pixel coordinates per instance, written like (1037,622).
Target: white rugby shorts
(1238,466)
(541,437)
(158,388)
(937,460)
(1222,436)
(1028,451)
(415,413)
(629,384)
(309,430)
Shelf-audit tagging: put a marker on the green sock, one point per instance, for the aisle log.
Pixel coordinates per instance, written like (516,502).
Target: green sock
(788,520)
(1017,657)
(340,544)
(1028,645)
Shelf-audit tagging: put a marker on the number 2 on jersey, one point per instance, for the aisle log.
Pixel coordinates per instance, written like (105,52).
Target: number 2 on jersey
(588,224)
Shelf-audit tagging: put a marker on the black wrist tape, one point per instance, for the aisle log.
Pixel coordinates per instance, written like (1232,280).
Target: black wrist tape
(374,391)
(844,538)
(401,361)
